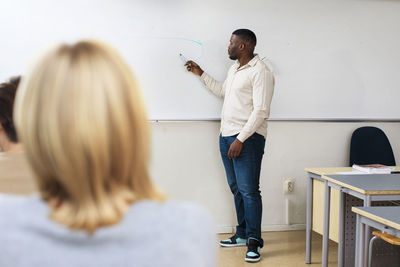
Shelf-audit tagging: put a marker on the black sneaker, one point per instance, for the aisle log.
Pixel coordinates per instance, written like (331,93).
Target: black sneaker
(233,241)
(253,250)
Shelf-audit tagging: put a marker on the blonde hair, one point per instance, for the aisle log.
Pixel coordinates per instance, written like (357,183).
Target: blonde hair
(80,115)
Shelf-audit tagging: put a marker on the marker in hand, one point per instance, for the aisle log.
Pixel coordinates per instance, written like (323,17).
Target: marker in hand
(184,59)
(191,66)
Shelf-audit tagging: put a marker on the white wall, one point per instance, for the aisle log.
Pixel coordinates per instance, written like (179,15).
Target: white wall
(187,165)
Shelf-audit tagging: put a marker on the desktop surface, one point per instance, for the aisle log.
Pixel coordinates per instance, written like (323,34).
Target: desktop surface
(368,183)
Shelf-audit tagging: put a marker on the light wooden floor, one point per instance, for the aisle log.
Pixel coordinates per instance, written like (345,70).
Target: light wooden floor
(281,249)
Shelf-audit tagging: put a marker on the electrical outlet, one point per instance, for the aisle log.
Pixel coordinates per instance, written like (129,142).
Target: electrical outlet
(288,186)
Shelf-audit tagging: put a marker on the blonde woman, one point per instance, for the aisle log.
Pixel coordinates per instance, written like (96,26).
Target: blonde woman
(80,115)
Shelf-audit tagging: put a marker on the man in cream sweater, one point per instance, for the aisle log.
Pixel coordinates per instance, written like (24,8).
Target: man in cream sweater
(247,93)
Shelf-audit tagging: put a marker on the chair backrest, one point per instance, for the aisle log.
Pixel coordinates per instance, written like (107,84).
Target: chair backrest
(370,145)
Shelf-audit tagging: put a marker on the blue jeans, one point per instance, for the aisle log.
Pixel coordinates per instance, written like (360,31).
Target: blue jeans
(243,174)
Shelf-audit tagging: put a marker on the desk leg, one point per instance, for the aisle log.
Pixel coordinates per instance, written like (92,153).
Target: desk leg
(309,218)
(360,238)
(325,236)
(357,249)
(367,203)
(341,246)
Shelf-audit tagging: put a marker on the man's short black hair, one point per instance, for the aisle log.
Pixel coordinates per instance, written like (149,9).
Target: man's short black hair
(246,35)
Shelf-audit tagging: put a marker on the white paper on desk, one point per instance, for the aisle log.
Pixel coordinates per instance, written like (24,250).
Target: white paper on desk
(352,172)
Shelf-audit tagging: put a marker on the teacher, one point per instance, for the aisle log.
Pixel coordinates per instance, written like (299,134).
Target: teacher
(247,92)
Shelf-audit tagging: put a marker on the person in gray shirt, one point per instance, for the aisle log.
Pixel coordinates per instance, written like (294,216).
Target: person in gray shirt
(8,135)
(80,116)
(15,174)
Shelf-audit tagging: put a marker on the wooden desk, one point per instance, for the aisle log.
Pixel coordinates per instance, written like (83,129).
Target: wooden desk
(368,187)
(385,219)
(315,207)
(317,189)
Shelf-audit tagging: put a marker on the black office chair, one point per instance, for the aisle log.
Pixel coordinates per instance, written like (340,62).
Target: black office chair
(370,145)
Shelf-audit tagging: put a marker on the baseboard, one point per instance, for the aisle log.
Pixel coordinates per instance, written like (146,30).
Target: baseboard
(224,229)
(282,227)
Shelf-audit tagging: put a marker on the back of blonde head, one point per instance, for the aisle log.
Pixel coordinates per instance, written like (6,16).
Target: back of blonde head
(81,117)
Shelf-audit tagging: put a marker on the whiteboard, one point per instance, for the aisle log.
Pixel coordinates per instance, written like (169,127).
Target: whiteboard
(331,59)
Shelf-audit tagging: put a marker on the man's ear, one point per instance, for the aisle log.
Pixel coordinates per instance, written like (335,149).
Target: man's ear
(242,46)
(1,128)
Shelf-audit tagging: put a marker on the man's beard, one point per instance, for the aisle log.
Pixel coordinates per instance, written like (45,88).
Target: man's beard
(233,57)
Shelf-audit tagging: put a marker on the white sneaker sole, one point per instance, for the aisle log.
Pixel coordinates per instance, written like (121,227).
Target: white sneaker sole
(252,260)
(232,245)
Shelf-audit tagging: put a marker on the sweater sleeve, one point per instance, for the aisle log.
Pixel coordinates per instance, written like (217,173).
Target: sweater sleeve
(216,87)
(263,88)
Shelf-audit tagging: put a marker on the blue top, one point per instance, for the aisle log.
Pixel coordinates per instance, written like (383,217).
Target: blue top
(150,234)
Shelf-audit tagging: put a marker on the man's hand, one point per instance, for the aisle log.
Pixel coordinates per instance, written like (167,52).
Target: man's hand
(235,149)
(193,67)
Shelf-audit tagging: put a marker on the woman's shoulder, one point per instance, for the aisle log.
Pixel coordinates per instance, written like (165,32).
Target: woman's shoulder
(10,202)
(187,229)
(172,209)
(17,209)
(172,215)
